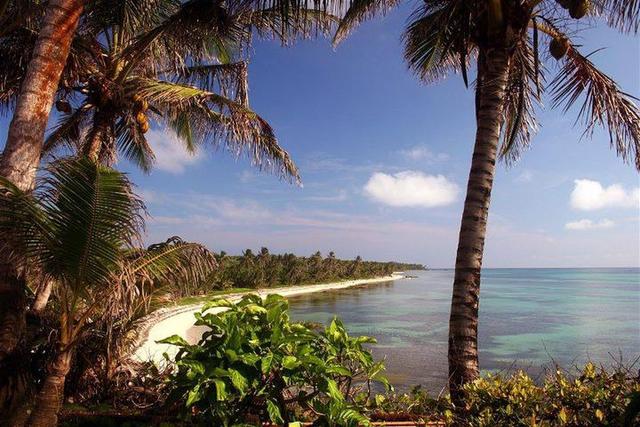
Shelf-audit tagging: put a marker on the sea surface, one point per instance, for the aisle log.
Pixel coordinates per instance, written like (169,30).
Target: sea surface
(529,319)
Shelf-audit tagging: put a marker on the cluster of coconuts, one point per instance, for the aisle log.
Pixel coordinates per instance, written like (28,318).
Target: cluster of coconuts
(577,9)
(141,107)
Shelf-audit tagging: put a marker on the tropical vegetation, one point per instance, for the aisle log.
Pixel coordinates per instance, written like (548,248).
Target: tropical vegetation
(70,232)
(503,39)
(115,67)
(266,270)
(254,365)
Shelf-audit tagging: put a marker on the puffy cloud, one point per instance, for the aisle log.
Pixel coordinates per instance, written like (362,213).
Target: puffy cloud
(589,195)
(171,156)
(411,188)
(421,152)
(587,224)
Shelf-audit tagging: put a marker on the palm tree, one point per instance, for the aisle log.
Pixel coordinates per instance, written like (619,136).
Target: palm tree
(72,229)
(132,61)
(21,154)
(502,36)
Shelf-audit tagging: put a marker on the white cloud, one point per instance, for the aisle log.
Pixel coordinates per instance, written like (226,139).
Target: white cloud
(171,155)
(525,177)
(411,188)
(587,224)
(589,195)
(422,152)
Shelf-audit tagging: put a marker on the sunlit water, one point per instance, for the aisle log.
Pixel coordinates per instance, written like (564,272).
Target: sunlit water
(529,318)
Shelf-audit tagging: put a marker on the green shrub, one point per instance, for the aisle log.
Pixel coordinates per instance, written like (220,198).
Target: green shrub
(254,364)
(593,398)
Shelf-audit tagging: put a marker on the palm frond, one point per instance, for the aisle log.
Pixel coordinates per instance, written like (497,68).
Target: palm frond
(68,131)
(230,80)
(172,260)
(220,121)
(437,41)
(24,229)
(132,144)
(524,86)
(603,103)
(624,15)
(358,12)
(93,214)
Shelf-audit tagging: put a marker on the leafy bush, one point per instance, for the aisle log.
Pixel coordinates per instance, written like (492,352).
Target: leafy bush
(254,364)
(594,397)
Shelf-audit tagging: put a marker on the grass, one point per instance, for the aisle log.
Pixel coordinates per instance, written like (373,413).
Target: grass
(204,298)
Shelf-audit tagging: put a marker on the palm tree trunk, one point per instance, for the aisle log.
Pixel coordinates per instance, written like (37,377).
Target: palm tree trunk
(21,155)
(49,399)
(463,324)
(100,135)
(42,297)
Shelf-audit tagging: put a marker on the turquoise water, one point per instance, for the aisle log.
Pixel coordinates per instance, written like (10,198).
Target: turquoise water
(529,319)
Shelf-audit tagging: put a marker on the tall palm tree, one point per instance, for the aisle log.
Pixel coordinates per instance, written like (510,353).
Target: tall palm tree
(503,38)
(21,154)
(132,61)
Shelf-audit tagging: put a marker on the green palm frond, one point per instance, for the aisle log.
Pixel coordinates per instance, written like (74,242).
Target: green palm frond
(358,12)
(278,25)
(603,103)
(220,121)
(24,227)
(437,40)
(67,133)
(132,144)
(230,80)
(93,213)
(523,90)
(172,260)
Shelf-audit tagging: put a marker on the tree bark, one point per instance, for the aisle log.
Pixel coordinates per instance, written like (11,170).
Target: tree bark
(463,323)
(42,297)
(22,152)
(49,399)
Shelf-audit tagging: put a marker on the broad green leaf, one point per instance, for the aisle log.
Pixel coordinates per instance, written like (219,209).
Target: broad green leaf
(194,395)
(290,362)
(221,390)
(265,363)
(238,380)
(274,412)
(174,340)
(334,391)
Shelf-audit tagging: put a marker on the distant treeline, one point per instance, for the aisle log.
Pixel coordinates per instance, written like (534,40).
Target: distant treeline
(263,270)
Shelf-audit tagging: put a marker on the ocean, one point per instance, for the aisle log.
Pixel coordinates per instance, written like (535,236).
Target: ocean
(530,319)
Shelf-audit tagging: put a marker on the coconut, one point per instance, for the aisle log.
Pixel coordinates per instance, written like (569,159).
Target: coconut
(579,8)
(565,4)
(144,126)
(558,47)
(63,106)
(137,98)
(141,117)
(144,105)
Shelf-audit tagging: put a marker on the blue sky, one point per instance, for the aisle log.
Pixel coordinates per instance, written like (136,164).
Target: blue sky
(384,161)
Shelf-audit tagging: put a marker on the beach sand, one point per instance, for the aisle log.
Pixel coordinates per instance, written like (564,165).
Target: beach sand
(180,320)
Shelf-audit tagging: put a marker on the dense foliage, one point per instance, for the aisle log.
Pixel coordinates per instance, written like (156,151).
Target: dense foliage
(268,270)
(254,364)
(594,397)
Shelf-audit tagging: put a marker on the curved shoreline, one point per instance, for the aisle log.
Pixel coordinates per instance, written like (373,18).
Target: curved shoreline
(180,320)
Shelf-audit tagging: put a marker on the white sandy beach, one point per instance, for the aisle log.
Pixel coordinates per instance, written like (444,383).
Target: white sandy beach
(180,320)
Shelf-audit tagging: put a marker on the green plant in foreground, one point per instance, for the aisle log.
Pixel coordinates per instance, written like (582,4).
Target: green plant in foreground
(254,364)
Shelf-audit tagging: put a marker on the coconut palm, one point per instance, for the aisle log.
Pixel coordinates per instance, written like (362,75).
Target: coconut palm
(132,62)
(503,37)
(72,229)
